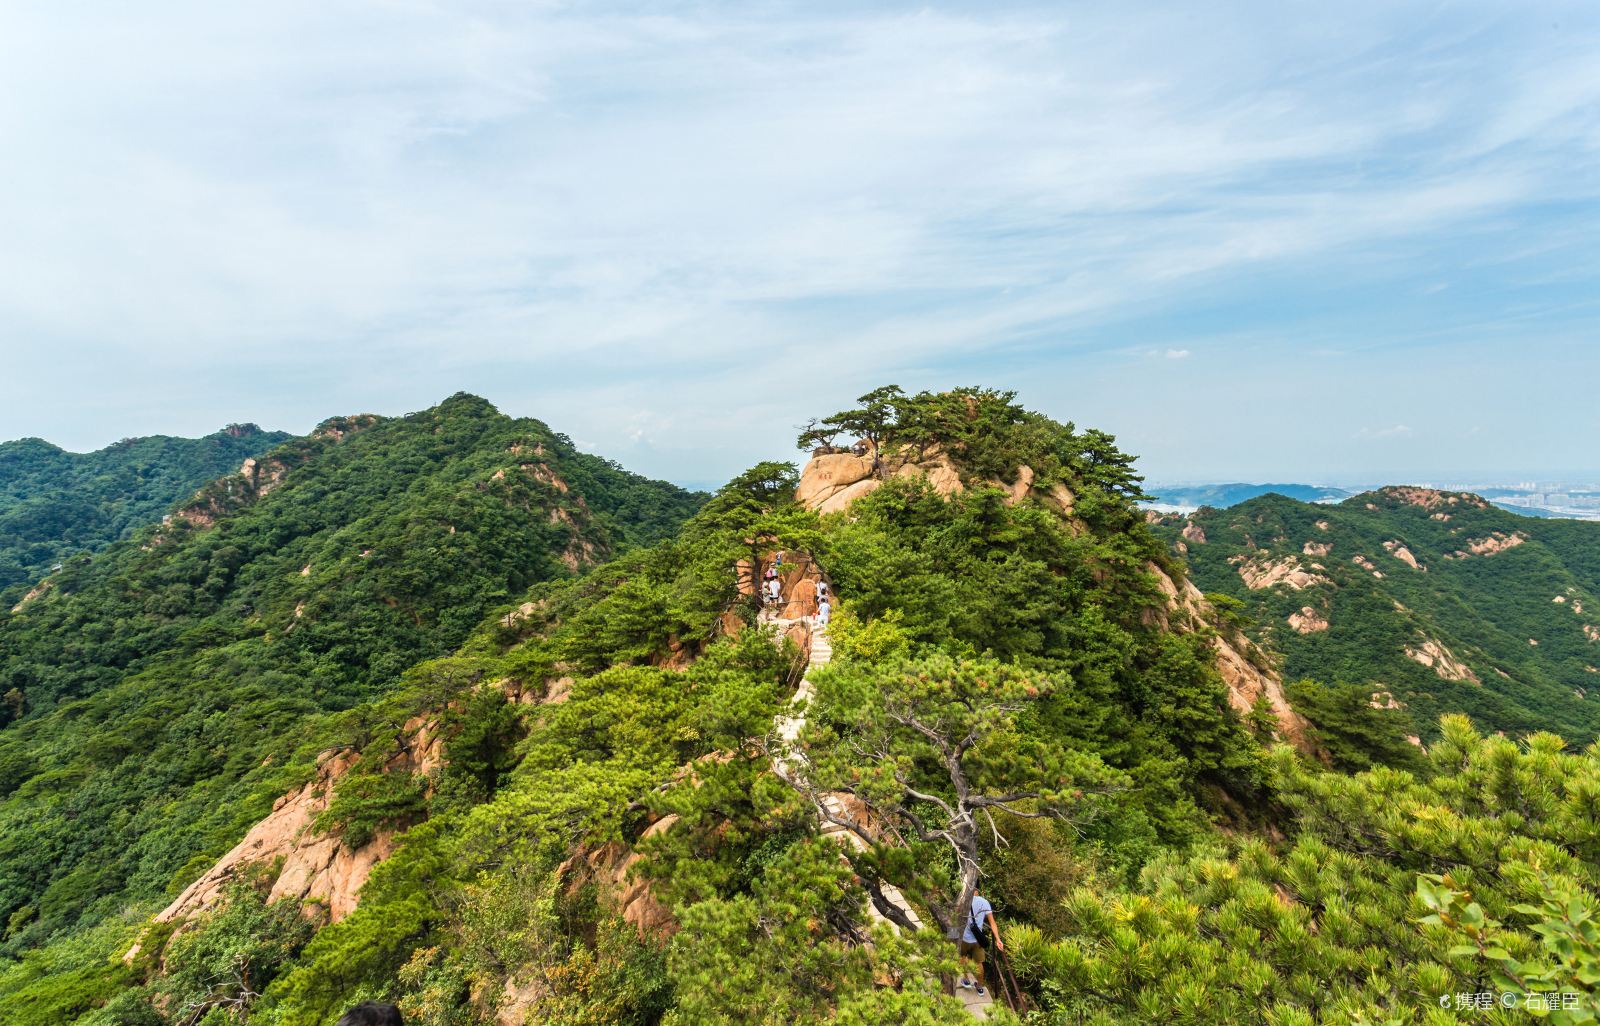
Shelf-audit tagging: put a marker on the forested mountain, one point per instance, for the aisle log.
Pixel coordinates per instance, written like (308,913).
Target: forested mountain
(153,694)
(596,803)
(55,504)
(1437,599)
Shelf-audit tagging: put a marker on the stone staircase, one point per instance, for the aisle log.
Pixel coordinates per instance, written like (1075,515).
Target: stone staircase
(790,764)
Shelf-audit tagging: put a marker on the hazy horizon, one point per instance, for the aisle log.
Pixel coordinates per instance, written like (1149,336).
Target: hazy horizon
(1301,476)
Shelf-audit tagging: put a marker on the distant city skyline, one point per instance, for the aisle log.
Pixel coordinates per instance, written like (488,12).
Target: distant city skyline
(1252,240)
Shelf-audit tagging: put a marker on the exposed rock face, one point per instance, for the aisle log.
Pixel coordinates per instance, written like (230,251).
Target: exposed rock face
(35,592)
(1432,498)
(1591,632)
(1441,660)
(1317,548)
(798,576)
(579,551)
(1403,554)
(340,428)
(611,867)
(1366,564)
(1308,620)
(1193,532)
(1264,572)
(1245,681)
(826,476)
(263,477)
(317,868)
(831,481)
(845,496)
(1497,542)
(1019,489)
(940,472)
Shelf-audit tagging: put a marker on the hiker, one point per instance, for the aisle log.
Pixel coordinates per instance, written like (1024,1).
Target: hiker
(980,932)
(774,590)
(824,612)
(822,592)
(372,1013)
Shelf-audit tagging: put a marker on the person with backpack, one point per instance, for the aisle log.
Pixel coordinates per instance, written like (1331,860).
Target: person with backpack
(774,590)
(979,933)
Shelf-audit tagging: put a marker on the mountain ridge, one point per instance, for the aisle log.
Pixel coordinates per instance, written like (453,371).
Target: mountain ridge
(1437,598)
(55,503)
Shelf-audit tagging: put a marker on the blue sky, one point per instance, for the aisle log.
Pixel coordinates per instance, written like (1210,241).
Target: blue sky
(1255,241)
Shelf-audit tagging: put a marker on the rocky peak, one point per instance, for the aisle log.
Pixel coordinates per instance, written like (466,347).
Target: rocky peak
(832,479)
(1424,498)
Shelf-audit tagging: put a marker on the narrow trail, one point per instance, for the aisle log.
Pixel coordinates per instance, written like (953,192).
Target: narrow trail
(790,765)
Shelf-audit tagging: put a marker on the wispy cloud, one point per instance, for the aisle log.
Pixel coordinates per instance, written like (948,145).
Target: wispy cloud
(662,230)
(1368,434)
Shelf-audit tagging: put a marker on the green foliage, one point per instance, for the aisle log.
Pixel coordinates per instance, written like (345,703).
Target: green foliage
(1355,729)
(1485,609)
(56,504)
(367,800)
(57,984)
(177,683)
(1010,699)
(987,435)
(1323,928)
(216,969)
(782,953)
(1565,965)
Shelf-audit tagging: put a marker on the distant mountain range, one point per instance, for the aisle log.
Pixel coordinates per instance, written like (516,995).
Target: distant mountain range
(1551,504)
(1438,600)
(1221,496)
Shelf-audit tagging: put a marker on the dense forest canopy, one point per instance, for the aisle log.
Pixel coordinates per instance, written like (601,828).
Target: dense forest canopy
(1013,697)
(158,693)
(56,504)
(1437,599)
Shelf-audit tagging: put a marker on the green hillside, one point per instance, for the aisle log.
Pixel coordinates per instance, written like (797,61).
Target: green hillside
(1513,601)
(55,504)
(154,692)
(584,806)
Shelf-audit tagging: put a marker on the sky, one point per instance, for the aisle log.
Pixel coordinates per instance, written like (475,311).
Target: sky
(1255,241)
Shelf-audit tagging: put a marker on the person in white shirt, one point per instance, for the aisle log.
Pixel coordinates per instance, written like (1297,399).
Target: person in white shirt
(980,919)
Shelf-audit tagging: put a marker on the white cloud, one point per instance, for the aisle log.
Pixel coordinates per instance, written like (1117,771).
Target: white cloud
(589,213)
(1368,434)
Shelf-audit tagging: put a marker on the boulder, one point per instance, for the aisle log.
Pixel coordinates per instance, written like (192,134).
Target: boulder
(843,497)
(829,474)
